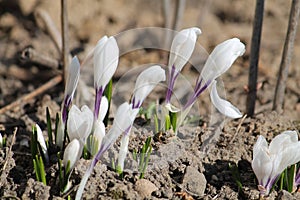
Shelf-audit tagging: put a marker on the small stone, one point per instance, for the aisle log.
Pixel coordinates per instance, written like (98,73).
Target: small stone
(194,181)
(145,188)
(285,195)
(27,6)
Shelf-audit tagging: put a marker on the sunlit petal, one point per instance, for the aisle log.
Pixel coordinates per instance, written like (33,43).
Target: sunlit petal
(182,47)
(221,58)
(223,106)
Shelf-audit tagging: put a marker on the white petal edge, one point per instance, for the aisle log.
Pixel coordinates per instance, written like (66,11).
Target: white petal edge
(72,153)
(182,47)
(105,62)
(73,77)
(223,106)
(103,108)
(147,80)
(221,58)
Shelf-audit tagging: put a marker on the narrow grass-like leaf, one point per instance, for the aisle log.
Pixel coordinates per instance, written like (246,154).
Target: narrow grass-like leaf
(56,125)
(173,119)
(42,170)
(167,122)
(156,123)
(108,95)
(34,143)
(49,128)
(237,178)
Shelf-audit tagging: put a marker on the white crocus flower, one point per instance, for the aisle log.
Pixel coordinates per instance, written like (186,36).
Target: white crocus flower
(181,50)
(106,58)
(145,83)
(71,84)
(72,154)
(99,127)
(270,161)
(124,118)
(218,62)
(41,141)
(80,123)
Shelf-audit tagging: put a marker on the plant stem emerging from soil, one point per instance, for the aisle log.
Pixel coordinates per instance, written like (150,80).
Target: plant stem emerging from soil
(286,56)
(65,45)
(254,56)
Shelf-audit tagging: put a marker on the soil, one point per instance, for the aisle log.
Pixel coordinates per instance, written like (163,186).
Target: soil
(193,165)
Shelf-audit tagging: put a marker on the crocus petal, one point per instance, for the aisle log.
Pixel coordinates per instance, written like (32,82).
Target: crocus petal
(182,47)
(145,83)
(223,106)
(99,132)
(262,166)
(80,123)
(1,141)
(124,118)
(172,108)
(72,153)
(41,140)
(260,144)
(221,58)
(282,140)
(123,151)
(106,58)
(73,77)
(103,108)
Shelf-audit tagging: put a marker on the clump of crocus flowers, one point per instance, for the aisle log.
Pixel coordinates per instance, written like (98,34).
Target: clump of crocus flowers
(269,161)
(84,128)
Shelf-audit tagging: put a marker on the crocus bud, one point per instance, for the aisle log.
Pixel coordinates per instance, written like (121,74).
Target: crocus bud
(270,161)
(182,47)
(72,153)
(41,140)
(145,83)
(71,84)
(221,58)
(80,123)
(106,58)
(181,50)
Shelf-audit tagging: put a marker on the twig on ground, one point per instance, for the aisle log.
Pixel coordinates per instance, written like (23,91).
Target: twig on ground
(29,54)
(254,56)
(24,99)
(65,39)
(45,22)
(238,128)
(286,56)
(8,156)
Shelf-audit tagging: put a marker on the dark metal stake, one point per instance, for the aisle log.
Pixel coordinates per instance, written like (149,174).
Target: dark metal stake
(286,56)
(254,56)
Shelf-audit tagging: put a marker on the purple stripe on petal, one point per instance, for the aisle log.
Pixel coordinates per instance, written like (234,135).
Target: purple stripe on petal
(297,178)
(66,105)
(136,105)
(172,77)
(197,91)
(99,93)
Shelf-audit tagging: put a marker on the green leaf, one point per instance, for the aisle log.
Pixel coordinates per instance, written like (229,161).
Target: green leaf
(173,119)
(156,123)
(34,143)
(49,128)
(108,95)
(167,122)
